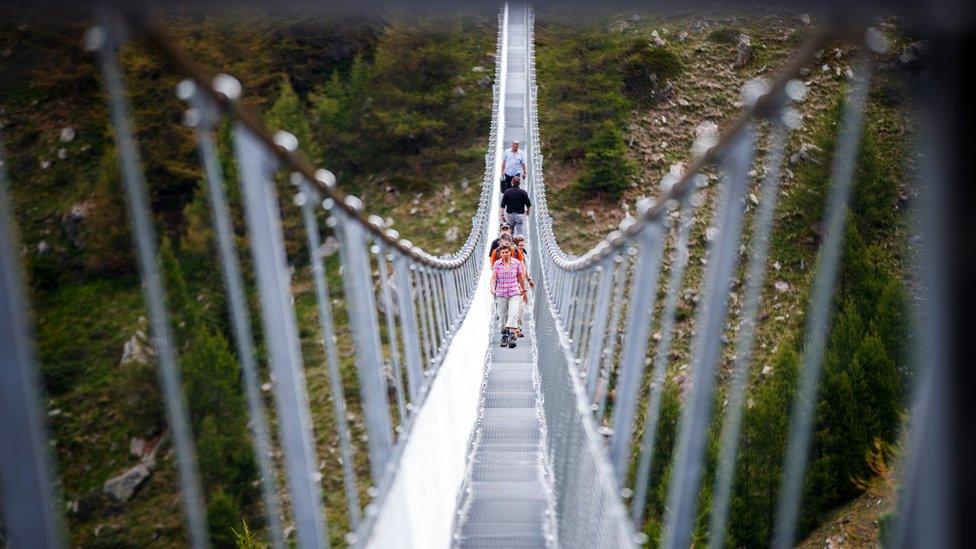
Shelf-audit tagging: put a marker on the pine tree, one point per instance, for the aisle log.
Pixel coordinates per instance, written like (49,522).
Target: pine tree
(608,170)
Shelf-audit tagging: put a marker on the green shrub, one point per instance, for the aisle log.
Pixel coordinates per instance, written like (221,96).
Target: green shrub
(724,36)
(644,69)
(861,397)
(667,435)
(765,430)
(223,514)
(607,170)
(215,402)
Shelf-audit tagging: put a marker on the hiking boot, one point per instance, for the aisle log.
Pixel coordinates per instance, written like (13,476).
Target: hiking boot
(504,339)
(511,342)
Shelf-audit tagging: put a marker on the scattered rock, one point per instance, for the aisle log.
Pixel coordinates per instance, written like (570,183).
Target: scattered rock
(72,221)
(683,36)
(458,92)
(781,286)
(706,135)
(137,446)
(591,214)
(711,234)
(43,247)
(107,530)
(478,68)
(744,52)
(62,153)
(664,93)
(451,235)
(484,82)
(124,486)
(657,40)
(808,152)
(912,55)
(767,369)
(67,134)
(805,18)
(137,349)
(329,247)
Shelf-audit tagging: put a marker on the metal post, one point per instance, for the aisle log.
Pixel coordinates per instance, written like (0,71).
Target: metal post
(592,365)
(679,260)
(815,340)
(709,326)
(356,279)
(755,279)
(29,509)
(408,322)
(643,294)
(326,323)
(145,239)
(391,331)
(237,304)
(256,167)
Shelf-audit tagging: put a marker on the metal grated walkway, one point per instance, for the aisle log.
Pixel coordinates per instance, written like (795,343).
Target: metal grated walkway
(506,499)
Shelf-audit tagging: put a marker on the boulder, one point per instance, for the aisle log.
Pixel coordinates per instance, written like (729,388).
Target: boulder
(451,235)
(122,487)
(657,40)
(137,349)
(71,222)
(808,152)
(743,51)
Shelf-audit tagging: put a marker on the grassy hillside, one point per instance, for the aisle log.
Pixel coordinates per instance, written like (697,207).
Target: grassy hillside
(397,107)
(621,96)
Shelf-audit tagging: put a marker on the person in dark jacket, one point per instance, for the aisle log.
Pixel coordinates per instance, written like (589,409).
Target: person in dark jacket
(515,207)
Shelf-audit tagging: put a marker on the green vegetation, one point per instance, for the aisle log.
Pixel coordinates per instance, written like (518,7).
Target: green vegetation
(390,106)
(589,82)
(644,67)
(864,373)
(724,36)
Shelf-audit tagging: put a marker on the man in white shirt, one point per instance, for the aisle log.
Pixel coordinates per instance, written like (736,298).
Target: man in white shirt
(513,163)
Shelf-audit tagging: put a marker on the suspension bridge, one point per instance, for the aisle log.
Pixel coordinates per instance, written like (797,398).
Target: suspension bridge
(469,444)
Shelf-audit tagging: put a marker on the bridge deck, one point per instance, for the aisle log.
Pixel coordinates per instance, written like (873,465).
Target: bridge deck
(506,498)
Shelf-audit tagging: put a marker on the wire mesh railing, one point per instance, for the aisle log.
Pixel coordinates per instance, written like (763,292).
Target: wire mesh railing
(614,310)
(401,303)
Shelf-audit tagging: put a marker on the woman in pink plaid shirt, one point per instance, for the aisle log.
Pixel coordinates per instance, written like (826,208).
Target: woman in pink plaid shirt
(508,286)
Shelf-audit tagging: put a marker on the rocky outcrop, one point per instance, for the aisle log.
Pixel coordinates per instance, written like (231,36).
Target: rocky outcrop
(743,52)
(123,486)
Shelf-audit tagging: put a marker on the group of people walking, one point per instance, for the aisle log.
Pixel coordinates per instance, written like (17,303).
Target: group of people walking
(510,279)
